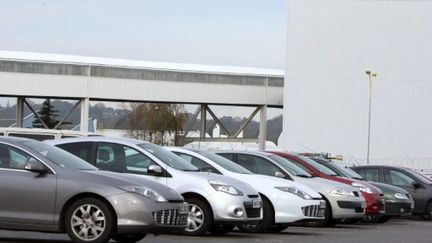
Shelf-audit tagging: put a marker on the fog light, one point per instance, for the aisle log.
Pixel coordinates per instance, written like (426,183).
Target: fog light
(238,212)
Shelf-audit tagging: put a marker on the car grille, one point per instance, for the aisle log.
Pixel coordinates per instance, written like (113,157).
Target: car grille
(169,217)
(253,196)
(252,212)
(356,194)
(313,211)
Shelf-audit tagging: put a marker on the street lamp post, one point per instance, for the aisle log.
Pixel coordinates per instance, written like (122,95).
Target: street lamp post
(371,75)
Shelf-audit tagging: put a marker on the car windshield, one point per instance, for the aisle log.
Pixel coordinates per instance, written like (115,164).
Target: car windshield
(338,169)
(58,156)
(289,166)
(318,166)
(420,176)
(225,163)
(168,158)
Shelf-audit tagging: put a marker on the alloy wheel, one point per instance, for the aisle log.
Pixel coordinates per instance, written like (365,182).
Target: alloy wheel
(88,222)
(195,218)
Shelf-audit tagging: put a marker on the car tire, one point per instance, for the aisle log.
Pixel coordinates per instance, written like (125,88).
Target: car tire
(89,220)
(128,238)
(428,212)
(265,223)
(371,218)
(220,229)
(200,217)
(277,228)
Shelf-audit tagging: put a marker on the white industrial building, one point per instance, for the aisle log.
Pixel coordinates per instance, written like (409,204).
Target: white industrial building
(330,45)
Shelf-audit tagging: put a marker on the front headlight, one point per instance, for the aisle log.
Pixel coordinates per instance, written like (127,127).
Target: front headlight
(362,187)
(221,187)
(146,192)
(401,196)
(295,191)
(342,191)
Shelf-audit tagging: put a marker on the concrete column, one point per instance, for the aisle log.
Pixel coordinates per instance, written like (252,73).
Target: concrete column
(20,112)
(262,137)
(85,109)
(203,121)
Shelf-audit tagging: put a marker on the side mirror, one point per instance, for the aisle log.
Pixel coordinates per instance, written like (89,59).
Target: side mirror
(279,174)
(154,170)
(416,185)
(35,167)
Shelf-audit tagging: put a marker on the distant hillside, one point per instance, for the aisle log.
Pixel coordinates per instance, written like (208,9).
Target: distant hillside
(110,118)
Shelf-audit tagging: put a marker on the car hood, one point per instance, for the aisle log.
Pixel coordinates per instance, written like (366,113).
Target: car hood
(386,188)
(122,179)
(323,185)
(239,184)
(263,182)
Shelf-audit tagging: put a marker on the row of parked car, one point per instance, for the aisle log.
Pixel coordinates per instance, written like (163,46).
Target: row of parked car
(98,188)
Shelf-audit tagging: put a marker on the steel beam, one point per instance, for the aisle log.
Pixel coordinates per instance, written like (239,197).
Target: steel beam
(263,128)
(85,107)
(203,120)
(20,112)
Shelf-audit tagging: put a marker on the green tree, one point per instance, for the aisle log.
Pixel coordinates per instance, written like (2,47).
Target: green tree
(156,122)
(48,115)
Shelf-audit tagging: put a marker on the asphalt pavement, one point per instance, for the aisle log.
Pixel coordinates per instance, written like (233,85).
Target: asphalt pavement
(401,230)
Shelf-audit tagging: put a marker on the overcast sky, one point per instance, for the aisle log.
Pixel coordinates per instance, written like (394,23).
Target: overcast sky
(218,32)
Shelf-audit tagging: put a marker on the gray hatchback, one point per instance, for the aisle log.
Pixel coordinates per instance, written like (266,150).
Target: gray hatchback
(44,188)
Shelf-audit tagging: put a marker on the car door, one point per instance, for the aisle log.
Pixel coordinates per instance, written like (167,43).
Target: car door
(406,181)
(26,197)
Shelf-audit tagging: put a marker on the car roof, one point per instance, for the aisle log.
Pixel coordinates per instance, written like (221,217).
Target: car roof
(262,153)
(121,140)
(14,139)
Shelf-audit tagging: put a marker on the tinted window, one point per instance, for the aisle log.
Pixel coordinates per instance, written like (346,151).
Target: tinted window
(58,156)
(228,156)
(290,167)
(317,166)
(13,158)
(39,137)
(371,174)
(201,165)
(120,158)
(167,157)
(225,163)
(257,164)
(300,165)
(81,150)
(398,178)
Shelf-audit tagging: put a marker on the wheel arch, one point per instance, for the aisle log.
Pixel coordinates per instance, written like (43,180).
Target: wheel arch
(79,196)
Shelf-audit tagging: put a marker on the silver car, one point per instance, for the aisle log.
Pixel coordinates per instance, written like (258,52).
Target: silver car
(44,188)
(217,203)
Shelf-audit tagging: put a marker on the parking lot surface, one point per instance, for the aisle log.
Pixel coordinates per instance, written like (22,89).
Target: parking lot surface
(402,230)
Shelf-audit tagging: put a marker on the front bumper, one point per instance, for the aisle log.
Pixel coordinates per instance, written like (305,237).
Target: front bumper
(226,208)
(398,208)
(347,207)
(290,208)
(375,203)
(136,214)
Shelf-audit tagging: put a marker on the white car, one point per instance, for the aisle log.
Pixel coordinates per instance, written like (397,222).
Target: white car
(217,202)
(284,202)
(343,201)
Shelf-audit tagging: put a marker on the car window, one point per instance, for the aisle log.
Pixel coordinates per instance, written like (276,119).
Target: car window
(14,158)
(57,156)
(370,174)
(258,165)
(289,166)
(81,150)
(228,156)
(317,166)
(224,162)
(398,178)
(168,157)
(121,158)
(200,164)
(302,166)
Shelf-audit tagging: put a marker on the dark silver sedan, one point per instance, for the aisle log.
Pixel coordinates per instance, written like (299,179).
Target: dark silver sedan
(43,188)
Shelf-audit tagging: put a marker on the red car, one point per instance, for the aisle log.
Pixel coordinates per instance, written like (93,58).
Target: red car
(373,195)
